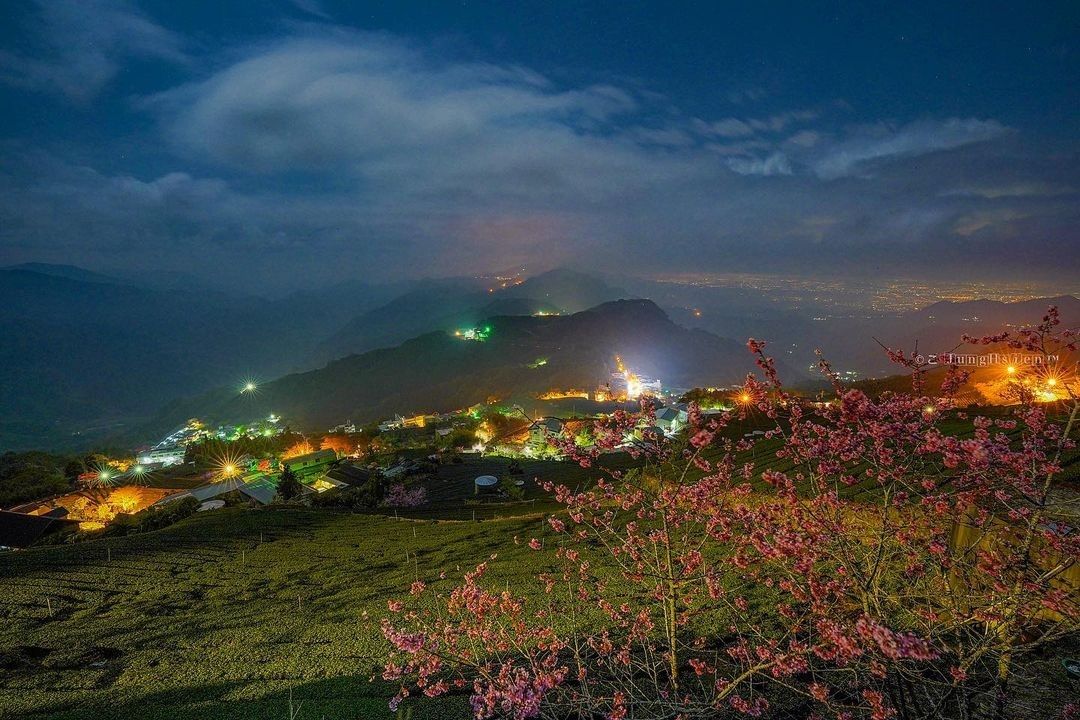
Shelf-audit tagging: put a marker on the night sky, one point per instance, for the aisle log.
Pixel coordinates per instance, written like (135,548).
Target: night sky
(257,143)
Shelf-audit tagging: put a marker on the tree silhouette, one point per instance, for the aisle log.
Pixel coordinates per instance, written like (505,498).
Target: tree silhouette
(289,486)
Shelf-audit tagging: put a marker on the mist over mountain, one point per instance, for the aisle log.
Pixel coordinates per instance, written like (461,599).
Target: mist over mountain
(459,302)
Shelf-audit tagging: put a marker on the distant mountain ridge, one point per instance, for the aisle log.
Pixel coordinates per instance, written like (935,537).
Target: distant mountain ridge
(448,304)
(936,328)
(88,353)
(82,352)
(71,272)
(438,372)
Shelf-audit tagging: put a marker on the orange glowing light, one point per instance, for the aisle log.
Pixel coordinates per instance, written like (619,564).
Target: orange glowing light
(1011,370)
(125,499)
(301,448)
(563,394)
(340,445)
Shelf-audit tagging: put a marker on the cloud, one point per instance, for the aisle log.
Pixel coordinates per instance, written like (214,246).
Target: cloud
(774,164)
(977,221)
(61,212)
(669,136)
(312,7)
(362,102)
(911,140)
(81,45)
(749,95)
(727,128)
(777,123)
(1019,189)
(805,138)
(736,128)
(333,152)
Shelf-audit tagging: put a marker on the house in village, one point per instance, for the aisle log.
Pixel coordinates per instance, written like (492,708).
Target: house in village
(310,463)
(540,434)
(671,419)
(349,474)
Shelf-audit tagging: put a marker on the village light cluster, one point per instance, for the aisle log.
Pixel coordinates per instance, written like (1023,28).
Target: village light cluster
(1043,383)
(478,334)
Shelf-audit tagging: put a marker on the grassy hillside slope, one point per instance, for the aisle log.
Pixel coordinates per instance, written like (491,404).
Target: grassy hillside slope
(221,615)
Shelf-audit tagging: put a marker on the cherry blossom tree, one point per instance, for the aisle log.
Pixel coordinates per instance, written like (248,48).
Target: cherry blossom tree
(399,496)
(890,556)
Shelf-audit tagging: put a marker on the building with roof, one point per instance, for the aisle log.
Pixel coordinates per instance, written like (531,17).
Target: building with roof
(541,433)
(164,456)
(310,463)
(257,488)
(671,419)
(349,474)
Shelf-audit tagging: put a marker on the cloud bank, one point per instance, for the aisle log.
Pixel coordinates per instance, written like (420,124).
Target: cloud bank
(339,152)
(81,46)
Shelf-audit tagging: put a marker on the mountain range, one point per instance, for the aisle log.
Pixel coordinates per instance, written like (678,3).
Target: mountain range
(465,302)
(521,356)
(85,354)
(88,358)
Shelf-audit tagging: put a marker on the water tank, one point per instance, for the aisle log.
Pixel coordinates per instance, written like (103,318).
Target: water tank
(486,482)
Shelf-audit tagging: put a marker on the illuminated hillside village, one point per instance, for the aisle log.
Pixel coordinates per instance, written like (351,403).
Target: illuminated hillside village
(394,462)
(210,467)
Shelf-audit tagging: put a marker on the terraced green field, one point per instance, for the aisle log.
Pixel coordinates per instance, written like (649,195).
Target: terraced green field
(222,615)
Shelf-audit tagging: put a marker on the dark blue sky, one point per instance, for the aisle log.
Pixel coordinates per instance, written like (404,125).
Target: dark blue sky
(235,140)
